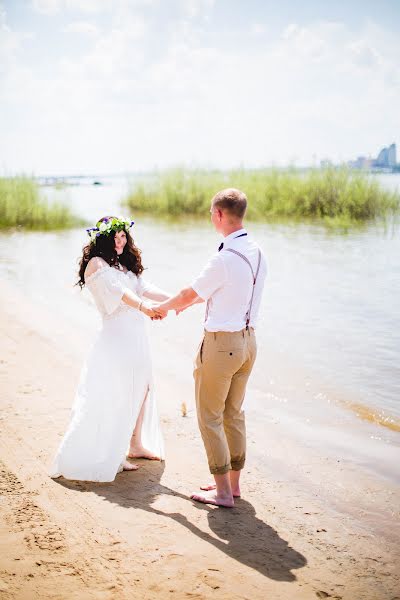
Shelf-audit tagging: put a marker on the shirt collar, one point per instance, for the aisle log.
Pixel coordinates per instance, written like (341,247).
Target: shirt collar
(232,236)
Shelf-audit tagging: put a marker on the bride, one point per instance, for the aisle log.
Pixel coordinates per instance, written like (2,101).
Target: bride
(115,394)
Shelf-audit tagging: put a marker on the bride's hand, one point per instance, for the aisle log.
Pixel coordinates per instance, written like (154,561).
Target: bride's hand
(160,312)
(148,310)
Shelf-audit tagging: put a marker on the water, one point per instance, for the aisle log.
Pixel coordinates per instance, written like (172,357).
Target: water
(330,327)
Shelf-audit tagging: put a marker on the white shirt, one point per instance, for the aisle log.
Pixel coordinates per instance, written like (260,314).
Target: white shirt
(227,283)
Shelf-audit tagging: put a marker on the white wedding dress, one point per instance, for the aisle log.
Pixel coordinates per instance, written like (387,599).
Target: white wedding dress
(113,385)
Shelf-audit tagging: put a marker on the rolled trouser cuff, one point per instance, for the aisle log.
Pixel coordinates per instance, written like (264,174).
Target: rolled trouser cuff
(220,470)
(237,465)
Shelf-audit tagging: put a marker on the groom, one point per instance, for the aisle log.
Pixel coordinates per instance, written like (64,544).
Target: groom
(231,283)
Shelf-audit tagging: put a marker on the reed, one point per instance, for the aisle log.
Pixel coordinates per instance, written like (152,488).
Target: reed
(21,205)
(335,196)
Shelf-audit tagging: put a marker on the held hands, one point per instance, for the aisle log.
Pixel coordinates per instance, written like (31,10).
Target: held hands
(156,311)
(160,311)
(148,310)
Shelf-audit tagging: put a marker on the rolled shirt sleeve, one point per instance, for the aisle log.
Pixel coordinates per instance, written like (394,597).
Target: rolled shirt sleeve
(211,278)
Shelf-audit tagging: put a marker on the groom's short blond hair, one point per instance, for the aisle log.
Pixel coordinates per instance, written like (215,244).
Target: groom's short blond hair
(232,201)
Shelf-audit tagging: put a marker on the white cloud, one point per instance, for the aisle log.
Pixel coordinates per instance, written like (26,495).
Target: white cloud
(290,31)
(140,95)
(193,9)
(52,7)
(115,56)
(9,40)
(10,43)
(47,7)
(82,27)
(363,54)
(258,28)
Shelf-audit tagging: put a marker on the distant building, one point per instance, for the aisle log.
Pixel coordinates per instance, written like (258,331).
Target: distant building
(362,162)
(386,158)
(392,159)
(382,159)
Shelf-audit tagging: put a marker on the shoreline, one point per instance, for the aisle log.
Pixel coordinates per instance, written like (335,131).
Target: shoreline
(299,402)
(305,528)
(304,334)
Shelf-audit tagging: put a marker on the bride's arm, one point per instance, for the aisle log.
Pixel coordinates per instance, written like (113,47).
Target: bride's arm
(113,291)
(158,296)
(148,290)
(131,299)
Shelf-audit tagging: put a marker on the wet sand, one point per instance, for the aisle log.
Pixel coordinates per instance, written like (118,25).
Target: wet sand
(307,526)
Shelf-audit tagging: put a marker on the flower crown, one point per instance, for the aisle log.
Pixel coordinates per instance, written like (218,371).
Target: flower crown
(107,226)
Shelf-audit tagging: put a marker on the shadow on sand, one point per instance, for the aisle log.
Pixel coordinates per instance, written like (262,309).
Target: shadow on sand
(242,535)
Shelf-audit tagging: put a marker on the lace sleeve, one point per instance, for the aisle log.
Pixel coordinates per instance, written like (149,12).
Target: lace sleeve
(108,288)
(95,264)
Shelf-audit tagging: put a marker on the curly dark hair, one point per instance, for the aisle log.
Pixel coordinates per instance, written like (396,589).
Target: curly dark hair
(105,248)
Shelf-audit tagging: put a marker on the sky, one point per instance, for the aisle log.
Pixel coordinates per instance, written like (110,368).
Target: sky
(114,86)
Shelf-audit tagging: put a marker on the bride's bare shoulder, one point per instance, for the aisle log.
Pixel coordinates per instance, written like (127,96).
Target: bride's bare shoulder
(94,265)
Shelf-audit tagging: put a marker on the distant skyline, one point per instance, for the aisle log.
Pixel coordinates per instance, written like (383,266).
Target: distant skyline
(107,86)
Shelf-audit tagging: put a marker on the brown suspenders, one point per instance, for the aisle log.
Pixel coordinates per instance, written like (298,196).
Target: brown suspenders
(254,276)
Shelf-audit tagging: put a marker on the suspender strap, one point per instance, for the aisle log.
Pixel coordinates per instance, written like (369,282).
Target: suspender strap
(248,262)
(207,310)
(254,276)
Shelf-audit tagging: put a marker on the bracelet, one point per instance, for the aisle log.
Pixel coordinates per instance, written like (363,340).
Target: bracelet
(140,306)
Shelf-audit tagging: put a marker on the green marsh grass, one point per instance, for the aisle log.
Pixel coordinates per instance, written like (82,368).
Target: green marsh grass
(334,196)
(22,205)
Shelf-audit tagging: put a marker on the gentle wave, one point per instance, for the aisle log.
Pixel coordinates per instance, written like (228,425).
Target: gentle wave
(379,417)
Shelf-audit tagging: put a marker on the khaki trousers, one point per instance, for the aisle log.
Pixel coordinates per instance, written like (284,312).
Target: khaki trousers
(222,367)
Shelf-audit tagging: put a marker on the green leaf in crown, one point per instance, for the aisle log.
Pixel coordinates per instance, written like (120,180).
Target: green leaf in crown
(108,225)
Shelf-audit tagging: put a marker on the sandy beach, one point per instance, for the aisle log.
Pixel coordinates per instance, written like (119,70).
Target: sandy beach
(304,528)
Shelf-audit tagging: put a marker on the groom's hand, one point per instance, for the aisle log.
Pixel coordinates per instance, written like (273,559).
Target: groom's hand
(157,317)
(148,309)
(160,311)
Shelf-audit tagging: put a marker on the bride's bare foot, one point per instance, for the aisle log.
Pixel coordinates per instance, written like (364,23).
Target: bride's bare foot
(140,452)
(127,466)
(212,486)
(211,497)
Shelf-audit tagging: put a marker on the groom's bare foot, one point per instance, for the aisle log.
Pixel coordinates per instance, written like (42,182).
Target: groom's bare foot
(212,486)
(211,497)
(127,466)
(140,452)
